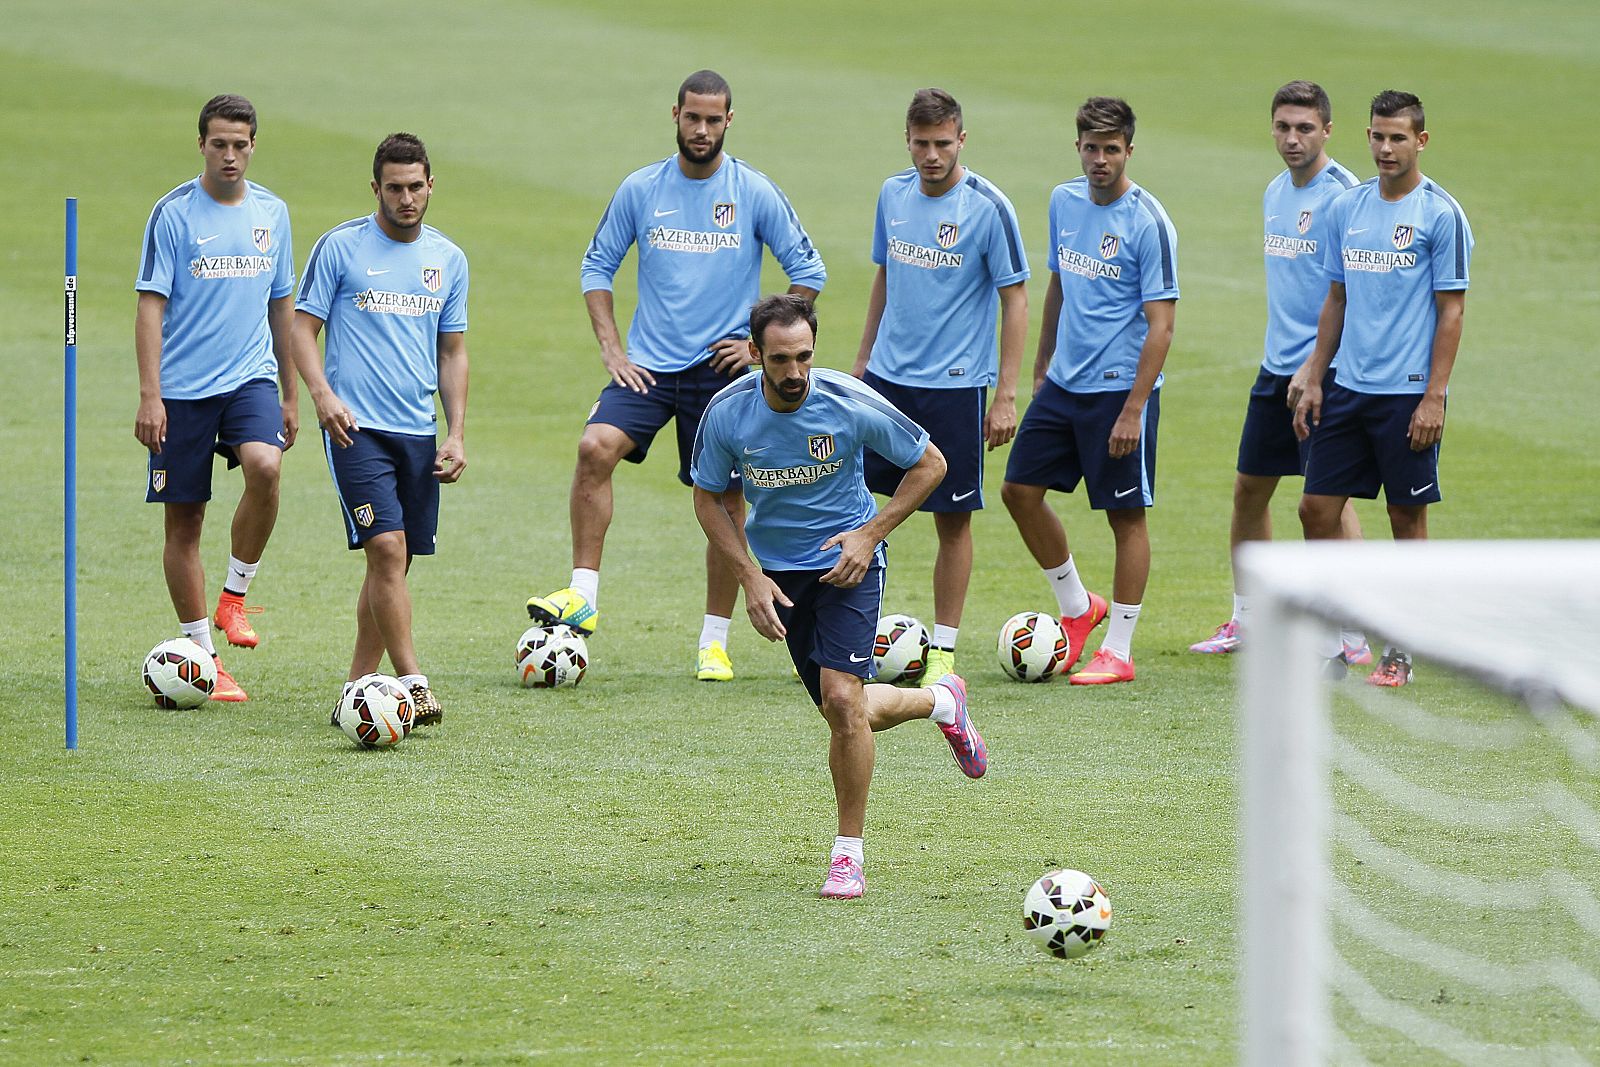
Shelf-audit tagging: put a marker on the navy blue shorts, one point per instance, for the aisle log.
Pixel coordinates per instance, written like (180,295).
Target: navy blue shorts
(1065,438)
(213,425)
(1268,447)
(385,482)
(1362,443)
(954,421)
(680,395)
(829,626)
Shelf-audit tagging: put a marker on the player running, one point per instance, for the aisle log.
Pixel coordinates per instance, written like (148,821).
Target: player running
(796,435)
(699,219)
(1108,318)
(945,241)
(1396,261)
(1294,210)
(393,294)
(216,284)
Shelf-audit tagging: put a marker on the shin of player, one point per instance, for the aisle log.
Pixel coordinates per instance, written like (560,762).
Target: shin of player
(1397,264)
(392,293)
(216,283)
(796,435)
(698,221)
(1294,216)
(949,254)
(1108,321)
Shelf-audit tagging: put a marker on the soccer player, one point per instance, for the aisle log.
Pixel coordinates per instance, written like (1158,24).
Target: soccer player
(1294,210)
(1108,317)
(945,241)
(216,284)
(1396,261)
(796,435)
(699,219)
(393,295)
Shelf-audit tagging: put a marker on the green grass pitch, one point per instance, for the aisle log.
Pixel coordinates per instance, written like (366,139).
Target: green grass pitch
(627,872)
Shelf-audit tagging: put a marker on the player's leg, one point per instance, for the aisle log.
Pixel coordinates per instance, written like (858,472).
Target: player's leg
(952,574)
(180,560)
(850,747)
(590,504)
(712,663)
(1410,484)
(250,435)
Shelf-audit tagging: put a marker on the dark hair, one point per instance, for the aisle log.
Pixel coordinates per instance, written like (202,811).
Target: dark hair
(782,309)
(400,148)
(932,107)
(1392,102)
(706,83)
(1304,94)
(230,107)
(1106,114)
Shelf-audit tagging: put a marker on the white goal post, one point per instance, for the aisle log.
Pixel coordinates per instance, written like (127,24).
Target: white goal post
(1519,617)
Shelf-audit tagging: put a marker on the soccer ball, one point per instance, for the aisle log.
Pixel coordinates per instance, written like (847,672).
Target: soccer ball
(1032,647)
(1066,913)
(550,657)
(900,651)
(376,711)
(180,674)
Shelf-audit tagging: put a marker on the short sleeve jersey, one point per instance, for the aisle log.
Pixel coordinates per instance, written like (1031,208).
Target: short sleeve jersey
(944,258)
(801,470)
(1109,261)
(385,303)
(1391,259)
(218,265)
(1294,222)
(699,256)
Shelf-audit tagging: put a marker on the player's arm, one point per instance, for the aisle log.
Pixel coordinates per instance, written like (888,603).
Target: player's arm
(603,320)
(877,300)
(150,423)
(1047,331)
(761,594)
(1160,315)
(451,459)
(332,414)
(856,546)
(1427,422)
(280,320)
(1305,388)
(1000,424)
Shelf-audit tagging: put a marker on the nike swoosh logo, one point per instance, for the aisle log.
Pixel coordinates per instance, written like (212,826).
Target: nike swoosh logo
(282,440)
(661,214)
(1124,492)
(1352,233)
(206,240)
(1271,217)
(897,222)
(374,273)
(1068,233)
(857,659)
(1424,489)
(756,451)
(963,496)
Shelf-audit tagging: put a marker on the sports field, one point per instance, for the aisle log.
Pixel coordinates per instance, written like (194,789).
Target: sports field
(627,872)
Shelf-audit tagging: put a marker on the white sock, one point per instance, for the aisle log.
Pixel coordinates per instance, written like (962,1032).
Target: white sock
(409,680)
(714,628)
(1071,597)
(1241,607)
(944,704)
(239,575)
(199,632)
(1120,621)
(1352,638)
(848,846)
(945,636)
(587,582)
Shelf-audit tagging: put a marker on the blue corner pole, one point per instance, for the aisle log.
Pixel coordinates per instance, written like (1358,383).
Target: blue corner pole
(70,479)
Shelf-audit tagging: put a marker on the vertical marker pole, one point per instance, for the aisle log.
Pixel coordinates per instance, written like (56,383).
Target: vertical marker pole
(70,481)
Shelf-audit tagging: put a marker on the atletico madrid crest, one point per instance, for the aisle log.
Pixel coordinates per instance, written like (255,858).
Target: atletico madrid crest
(1305,222)
(1403,236)
(158,481)
(948,233)
(1109,243)
(820,445)
(432,278)
(363,514)
(262,236)
(722,215)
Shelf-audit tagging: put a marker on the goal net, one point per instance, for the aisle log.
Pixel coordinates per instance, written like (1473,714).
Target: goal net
(1421,865)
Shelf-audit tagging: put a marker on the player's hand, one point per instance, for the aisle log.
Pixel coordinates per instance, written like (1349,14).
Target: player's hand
(626,373)
(856,549)
(1427,423)
(1297,387)
(450,460)
(1000,424)
(1308,410)
(291,425)
(1125,433)
(761,597)
(150,424)
(337,419)
(731,354)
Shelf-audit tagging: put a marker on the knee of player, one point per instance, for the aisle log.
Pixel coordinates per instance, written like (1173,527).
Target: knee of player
(1316,514)
(598,455)
(386,551)
(1407,520)
(844,705)
(1018,497)
(262,467)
